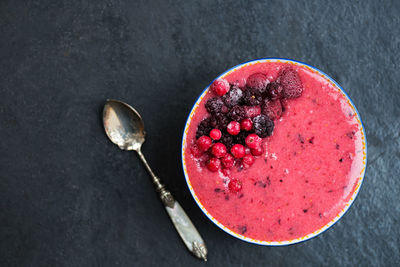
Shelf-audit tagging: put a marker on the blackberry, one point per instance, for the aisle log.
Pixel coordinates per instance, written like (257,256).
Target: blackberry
(227,140)
(263,126)
(204,128)
(252,97)
(214,105)
(274,91)
(237,113)
(233,97)
(220,121)
(240,138)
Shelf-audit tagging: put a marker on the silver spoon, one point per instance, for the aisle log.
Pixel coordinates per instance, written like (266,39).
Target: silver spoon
(125,128)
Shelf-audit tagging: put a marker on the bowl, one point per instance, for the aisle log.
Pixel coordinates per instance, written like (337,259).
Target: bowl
(360,177)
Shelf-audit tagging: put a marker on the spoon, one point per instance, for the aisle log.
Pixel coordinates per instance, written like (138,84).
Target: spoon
(125,128)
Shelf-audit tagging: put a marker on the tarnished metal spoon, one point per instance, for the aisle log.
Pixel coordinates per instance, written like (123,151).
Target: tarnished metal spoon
(125,128)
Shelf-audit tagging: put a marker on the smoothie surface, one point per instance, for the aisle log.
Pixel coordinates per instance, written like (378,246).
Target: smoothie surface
(308,172)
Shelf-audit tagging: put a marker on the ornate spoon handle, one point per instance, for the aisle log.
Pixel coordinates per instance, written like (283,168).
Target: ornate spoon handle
(183,225)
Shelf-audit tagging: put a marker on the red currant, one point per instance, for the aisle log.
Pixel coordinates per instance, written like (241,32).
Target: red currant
(227,161)
(253,141)
(220,87)
(233,128)
(218,150)
(248,160)
(215,134)
(238,151)
(213,164)
(235,185)
(256,151)
(246,125)
(204,142)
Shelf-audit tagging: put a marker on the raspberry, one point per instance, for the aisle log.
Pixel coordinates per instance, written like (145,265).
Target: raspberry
(203,128)
(256,151)
(238,151)
(253,141)
(291,83)
(252,111)
(218,150)
(237,113)
(215,134)
(227,140)
(246,125)
(196,151)
(227,161)
(233,128)
(272,108)
(233,97)
(214,105)
(204,143)
(257,81)
(248,160)
(213,164)
(274,90)
(220,87)
(235,185)
(252,97)
(263,126)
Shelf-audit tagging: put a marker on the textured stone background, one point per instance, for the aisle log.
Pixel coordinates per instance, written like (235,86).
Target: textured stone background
(68,197)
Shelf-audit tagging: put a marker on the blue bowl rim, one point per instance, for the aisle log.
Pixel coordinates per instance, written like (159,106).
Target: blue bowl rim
(295,241)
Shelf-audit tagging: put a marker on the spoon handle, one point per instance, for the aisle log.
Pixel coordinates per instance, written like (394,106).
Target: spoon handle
(183,225)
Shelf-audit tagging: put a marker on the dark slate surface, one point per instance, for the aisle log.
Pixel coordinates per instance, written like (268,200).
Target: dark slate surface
(68,197)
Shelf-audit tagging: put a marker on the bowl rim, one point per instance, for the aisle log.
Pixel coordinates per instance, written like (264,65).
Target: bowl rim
(338,216)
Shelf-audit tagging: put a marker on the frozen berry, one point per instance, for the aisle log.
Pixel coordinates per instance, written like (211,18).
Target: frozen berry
(204,143)
(203,128)
(252,97)
(272,108)
(220,87)
(233,97)
(256,151)
(263,126)
(235,185)
(248,160)
(215,134)
(246,125)
(240,138)
(291,83)
(219,121)
(252,111)
(213,164)
(196,151)
(218,150)
(227,161)
(237,113)
(257,81)
(238,151)
(214,105)
(274,91)
(233,128)
(253,141)
(227,140)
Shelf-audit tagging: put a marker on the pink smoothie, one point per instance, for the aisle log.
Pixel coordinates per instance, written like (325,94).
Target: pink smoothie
(309,170)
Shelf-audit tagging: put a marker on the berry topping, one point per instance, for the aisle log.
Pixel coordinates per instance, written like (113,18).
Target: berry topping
(227,161)
(219,121)
(204,143)
(215,134)
(291,83)
(218,150)
(246,125)
(235,185)
(203,128)
(238,151)
(248,160)
(263,126)
(274,90)
(233,128)
(240,138)
(252,111)
(233,97)
(227,140)
(253,141)
(214,105)
(220,87)
(196,151)
(237,113)
(272,108)
(213,164)
(257,81)
(252,97)
(256,151)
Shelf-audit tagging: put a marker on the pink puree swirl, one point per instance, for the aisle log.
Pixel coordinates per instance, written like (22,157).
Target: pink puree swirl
(309,170)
